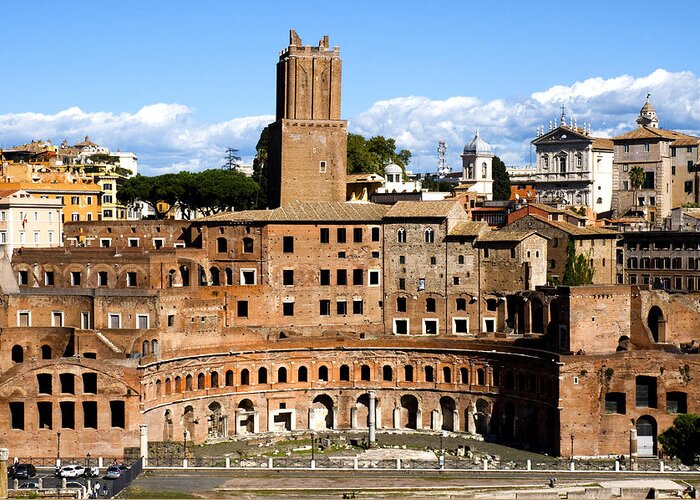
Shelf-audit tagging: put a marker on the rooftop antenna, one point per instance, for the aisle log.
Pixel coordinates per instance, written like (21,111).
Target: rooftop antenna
(442,167)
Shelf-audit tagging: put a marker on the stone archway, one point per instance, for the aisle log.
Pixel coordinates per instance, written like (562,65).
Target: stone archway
(246,417)
(216,421)
(482,416)
(409,412)
(447,409)
(322,410)
(657,324)
(646,436)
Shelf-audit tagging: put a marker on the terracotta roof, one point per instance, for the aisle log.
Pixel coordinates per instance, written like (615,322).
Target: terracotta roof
(508,235)
(470,228)
(358,178)
(600,143)
(686,140)
(643,132)
(7,192)
(307,212)
(575,230)
(422,208)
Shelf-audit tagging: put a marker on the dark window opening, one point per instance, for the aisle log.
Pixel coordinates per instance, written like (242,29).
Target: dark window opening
(117,414)
(357,306)
(229,378)
(200,381)
(323,373)
(288,277)
(676,402)
(430,305)
(446,375)
(461,326)
(429,374)
(365,373)
(408,373)
(45,411)
(67,381)
(17,415)
(341,277)
(245,377)
(646,392)
(325,235)
(288,308)
(281,375)
(357,235)
(345,373)
(214,380)
(67,414)
(24,277)
(340,235)
(387,373)
(45,383)
(615,403)
(325,277)
(288,244)
(401,304)
(325,307)
(357,276)
(242,308)
(262,375)
(375,234)
(464,375)
(221,245)
(247,245)
(17,354)
(303,374)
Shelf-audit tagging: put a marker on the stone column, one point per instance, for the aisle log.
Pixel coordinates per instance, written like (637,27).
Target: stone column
(4,455)
(353,418)
(634,458)
(470,426)
(143,428)
(372,419)
(397,418)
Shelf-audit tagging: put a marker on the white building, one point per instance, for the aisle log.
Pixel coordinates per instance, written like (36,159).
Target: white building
(477,171)
(28,221)
(573,167)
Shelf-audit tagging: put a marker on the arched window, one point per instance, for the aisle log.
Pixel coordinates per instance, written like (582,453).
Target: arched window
(215,276)
(599,201)
(484,170)
(429,374)
(229,276)
(302,374)
(281,375)
(408,373)
(200,381)
(245,376)
(401,235)
(429,236)
(221,245)
(45,351)
(229,378)
(345,373)
(480,377)
(387,373)
(144,348)
(17,354)
(323,373)
(214,379)
(178,384)
(446,375)
(365,373)
(154,346)
(168,387)
(158,388)
(464,375)
(262,375)
(188,383)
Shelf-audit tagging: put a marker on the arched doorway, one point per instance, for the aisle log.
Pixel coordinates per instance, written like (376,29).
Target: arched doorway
(246,417)
(657,324)
(321,413)
(482,416)
(409,412)
(447,409)
(216,422)
(646,436)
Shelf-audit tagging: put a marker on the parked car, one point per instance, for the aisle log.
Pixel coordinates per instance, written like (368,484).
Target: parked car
(74,484)
(22,471)
(31,485)
(113,472)
(72,470)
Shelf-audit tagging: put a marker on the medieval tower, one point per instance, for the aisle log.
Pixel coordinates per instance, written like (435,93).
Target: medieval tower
(308,142)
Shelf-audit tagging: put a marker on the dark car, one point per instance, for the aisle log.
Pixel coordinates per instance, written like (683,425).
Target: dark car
(22,471)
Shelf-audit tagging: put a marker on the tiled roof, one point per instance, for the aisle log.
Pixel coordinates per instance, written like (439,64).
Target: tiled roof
(422,208)
(686,140)
(649,133)
(7,192)
(574,230)
(600,143)
(506,235)
(307,212)
(470,228)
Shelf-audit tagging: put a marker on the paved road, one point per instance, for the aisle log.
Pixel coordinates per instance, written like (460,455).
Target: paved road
(365,484)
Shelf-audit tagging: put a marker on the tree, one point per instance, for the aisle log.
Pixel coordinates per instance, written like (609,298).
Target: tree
(373,154)
(682,440)
(432,184)
(637,177)
(578,270)
(231,159)
(501,180)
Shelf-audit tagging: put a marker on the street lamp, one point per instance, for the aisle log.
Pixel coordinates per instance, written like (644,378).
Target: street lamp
(572,446)
(313,446)
(58,447)
(184,444)
(87,455)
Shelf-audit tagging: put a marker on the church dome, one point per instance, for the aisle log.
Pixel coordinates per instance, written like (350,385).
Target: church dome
(393,168)
(478,145)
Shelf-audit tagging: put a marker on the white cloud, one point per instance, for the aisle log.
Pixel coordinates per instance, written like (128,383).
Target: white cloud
(166,136)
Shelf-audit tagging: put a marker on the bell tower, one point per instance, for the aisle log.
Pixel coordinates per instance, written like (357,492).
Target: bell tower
(307,149)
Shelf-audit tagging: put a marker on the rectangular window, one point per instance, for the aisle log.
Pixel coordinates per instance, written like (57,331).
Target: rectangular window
(36,236)
(646,147)
(142,321)
(288,244)
(75,278)
(341,307)
(648,180)
(615,403)
(158,243)
(325,277)
(325,235)
(288,308)
(460,326)
(45,383)
(57,318)
(288,277)
(626,148)
(357,306)
(673,170)
(455,280)
(133,242)
(131,278)
(691,166)
(117,414)
(242,308)
(45,411)
(374,278)
(357,235)
(90,414)
(340,235)
(341,277)
(115,321)
(88,199)
(357,277)
(430,327)
(421,284)
(324,307)
(23,277)
(375,234)
(24,318)
(48,278)
(3,237)
(646,392)
(400,326)
(676,402)
(401,304)
(322,167)
(247,276)
(75,200)
(688,186)
(67,381)
(49,236)
(85,320)
(90,383)
(17,415)
(102,278)
(402,283)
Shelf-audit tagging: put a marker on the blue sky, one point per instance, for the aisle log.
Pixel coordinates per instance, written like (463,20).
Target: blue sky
(179,81)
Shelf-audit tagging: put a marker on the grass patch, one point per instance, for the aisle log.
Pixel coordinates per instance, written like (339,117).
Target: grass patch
(135,492)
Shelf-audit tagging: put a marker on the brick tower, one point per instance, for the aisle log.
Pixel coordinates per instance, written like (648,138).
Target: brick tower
(307,146)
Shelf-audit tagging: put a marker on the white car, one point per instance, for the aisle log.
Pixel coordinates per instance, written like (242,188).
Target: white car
(72,470)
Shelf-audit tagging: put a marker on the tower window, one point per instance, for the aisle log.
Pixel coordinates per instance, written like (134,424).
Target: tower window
(322,167)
